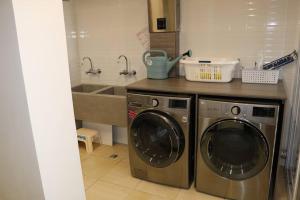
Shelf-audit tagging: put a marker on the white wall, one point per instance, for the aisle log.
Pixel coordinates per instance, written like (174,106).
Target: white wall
(19,170)
(44,59)
(239,29)
(211,28)
(107,29)
(71,33)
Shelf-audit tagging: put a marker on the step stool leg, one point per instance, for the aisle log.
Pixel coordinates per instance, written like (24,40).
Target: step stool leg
(89,145)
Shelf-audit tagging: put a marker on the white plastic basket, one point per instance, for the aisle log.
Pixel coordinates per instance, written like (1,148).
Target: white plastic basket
(212,70)
(260,76)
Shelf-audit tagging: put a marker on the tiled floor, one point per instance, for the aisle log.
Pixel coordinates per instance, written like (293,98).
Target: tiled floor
(107,178)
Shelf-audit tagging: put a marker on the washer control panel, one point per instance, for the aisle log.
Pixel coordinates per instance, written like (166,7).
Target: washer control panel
(144,101)
(178,107)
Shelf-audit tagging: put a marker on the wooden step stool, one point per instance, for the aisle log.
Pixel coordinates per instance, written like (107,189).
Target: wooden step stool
(87,135)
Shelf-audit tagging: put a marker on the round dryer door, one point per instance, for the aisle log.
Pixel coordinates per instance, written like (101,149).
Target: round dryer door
(157,138)
(234,149)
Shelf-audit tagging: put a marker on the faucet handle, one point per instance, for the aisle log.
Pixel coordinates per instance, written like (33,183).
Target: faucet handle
(130,73)
(92,71)
(133,73)
(124,72)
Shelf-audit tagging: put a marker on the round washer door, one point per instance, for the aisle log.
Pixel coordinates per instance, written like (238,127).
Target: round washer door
(157,138)
(234,149)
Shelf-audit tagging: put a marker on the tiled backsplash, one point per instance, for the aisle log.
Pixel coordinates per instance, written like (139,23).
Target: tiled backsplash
(239,28)
(245,29)
(71,31)
(108,29)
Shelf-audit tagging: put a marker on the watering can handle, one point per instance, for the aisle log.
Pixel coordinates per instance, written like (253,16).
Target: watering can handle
(153,51)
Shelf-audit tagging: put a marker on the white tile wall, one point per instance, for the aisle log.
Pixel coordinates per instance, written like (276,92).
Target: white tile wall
(108,29)
(242,29)
(71,32)
(245,29)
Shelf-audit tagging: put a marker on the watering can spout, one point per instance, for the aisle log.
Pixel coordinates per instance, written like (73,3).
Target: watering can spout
(172,63)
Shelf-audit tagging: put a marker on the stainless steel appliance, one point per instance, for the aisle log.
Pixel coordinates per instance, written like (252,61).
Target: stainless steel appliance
(235,147)
(164,15)
(161,138)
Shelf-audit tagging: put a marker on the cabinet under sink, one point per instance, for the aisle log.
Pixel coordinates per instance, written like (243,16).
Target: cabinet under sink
(100,104)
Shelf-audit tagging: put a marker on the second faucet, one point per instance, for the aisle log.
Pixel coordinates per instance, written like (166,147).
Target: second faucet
(126,71)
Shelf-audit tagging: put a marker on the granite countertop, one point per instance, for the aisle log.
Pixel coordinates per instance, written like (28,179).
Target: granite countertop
(233,89)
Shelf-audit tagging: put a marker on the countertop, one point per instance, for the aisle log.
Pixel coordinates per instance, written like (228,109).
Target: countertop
(233,89)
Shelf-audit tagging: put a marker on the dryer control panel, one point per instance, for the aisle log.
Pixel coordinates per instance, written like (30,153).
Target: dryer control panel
(255,112)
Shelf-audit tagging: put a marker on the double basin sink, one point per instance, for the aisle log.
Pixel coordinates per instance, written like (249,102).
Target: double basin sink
(100,104)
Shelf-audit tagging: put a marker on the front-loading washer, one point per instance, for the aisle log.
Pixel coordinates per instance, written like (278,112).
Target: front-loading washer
(161,138)
(235,148)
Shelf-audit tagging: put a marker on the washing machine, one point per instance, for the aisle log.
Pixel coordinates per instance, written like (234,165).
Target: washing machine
(161,138)
(235,148)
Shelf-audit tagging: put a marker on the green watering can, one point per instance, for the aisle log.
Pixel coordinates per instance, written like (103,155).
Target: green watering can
(159,66)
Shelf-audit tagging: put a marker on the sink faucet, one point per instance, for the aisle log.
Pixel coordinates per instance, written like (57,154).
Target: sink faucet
(92,70)
(126,71)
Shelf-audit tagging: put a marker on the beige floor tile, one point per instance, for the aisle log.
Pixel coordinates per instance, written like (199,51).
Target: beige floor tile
(157,189)
(83,157)
(137,195)
(106,191)
(106,178)
(89,181)
(82,152)
(96,167)
(126,161)
(192,194)
(120,175)
(106,151)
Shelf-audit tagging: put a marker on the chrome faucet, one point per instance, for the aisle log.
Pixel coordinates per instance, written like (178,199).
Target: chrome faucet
(92,70)
(126,71)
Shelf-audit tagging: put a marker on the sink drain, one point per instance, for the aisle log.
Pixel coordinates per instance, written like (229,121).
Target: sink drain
(113,156)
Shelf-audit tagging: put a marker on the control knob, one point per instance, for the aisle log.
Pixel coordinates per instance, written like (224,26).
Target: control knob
(155,102)
(235,110)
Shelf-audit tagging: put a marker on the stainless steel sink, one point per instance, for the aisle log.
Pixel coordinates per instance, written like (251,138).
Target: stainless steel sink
(88,88)
(114,90)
